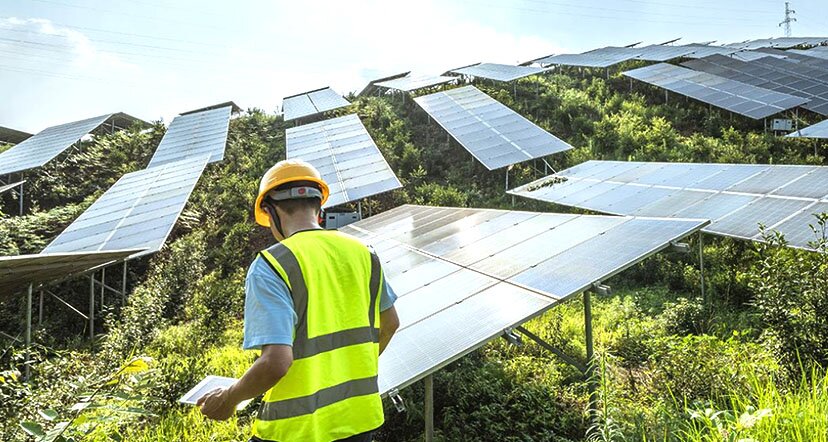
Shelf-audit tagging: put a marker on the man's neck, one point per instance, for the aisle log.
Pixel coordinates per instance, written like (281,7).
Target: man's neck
(291,226)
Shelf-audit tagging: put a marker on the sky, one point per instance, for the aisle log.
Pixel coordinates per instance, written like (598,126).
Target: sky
(66,60)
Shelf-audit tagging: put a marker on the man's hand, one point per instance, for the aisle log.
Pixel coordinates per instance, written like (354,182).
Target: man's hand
(217,404)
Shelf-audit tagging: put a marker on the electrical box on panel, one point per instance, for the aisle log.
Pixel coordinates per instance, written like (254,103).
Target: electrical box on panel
(782,124)
(336,220)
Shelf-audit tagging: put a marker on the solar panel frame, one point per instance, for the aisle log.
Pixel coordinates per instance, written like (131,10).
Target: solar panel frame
(733,196)
(17,272)
(194,135)
(753,102)
(450,312)
(663,52)
(312,103)
(411,83)
(499,72)
(494,134)
(597,58)
(346,156)
(138,212)
(819,130)
(47,144)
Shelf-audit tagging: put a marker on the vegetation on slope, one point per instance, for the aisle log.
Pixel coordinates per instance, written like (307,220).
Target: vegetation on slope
(744,363)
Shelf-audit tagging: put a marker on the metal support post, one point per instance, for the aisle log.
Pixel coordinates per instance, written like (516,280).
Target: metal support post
(590,354)
(566,358)
(124,284)
(428,409)
(28,330)
(40,309)
(701,267)
(20,198)
(507,177)
(103,285)
(92,306)
(359,209)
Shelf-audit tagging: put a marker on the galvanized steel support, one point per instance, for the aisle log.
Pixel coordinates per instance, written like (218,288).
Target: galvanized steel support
(554,350)
(428,409)
(91,315)
(20,198)
(28,330)
(590,354)
(124,284)
(701,268)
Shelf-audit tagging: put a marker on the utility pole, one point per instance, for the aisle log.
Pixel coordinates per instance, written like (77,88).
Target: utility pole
(788,19)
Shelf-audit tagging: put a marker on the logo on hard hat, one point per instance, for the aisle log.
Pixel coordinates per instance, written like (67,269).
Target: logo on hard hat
(302,191)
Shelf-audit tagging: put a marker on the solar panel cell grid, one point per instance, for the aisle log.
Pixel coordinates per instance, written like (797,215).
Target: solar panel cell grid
(498,72)
(491,132)
(194,135)
(345,155)
(744,223)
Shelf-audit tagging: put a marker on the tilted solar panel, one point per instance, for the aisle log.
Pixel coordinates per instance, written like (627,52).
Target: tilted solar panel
(663,52)
(44,146)
(312,103)
(494,134)
(346,156)
(137,212)
(463,276)
(765,77)
(12,136)
(194,135)
(414,82)
(498,72)
(597,58)
(16,272)
(819,130)
(734,96)
(736,197)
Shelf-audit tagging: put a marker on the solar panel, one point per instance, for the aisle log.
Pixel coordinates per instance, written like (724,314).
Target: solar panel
(817,52)
(819,130)
(17,272)
(137,212)
(734,96)
(701,51)
(346,156)
(498,72)
(494,134)
(312,103)
(798,70)
(597,58)
(663,52)
(411,83)
(454,298)
(12,136)
(736,197)
(780,42)
(51,142)
(194,135)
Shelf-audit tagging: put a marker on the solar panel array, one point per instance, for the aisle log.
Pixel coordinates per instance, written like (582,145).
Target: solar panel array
(753,55)
(597,58)
(411,83)
(781,42)
(701,51)
(51,142)
(498,72)
(813,71)
(819,130)
(194,135)
(494,134)
(137,212)
(463,276)
(663,52)
(766,77)
(312,103)
(12,136)
(346,156)
(817,52)
(734,96)
(17,272)
(736,197)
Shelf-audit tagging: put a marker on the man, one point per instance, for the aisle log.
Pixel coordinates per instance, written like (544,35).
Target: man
(318,307)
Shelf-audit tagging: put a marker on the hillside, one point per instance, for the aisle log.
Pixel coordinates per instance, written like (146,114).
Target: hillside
(746,362)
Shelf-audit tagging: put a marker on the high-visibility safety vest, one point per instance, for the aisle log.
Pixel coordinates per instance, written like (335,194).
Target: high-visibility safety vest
(330,392)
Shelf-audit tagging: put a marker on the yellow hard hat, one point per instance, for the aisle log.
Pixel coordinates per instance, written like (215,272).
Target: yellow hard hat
(283,172)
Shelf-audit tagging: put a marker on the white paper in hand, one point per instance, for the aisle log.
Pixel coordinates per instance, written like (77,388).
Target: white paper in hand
(207,385)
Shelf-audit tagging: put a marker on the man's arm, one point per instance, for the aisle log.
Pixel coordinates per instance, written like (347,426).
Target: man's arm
(272,366)
(389,323)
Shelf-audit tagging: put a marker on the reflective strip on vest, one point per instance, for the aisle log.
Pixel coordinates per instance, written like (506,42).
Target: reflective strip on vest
(330,392)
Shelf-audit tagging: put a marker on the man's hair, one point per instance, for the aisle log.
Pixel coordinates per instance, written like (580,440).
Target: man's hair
(295,205)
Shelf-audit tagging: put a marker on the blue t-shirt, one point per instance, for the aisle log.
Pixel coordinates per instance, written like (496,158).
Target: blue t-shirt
(269,317)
